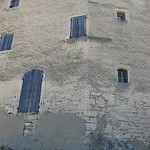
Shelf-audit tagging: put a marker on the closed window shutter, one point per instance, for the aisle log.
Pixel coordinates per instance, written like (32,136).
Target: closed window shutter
(14,3)
(25,92)
(78,26)
(36,90)
(31,91)
(6,42)
(82,26)
(74,27)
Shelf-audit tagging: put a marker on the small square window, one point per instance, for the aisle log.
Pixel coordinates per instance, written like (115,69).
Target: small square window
(121,16)
(122,76)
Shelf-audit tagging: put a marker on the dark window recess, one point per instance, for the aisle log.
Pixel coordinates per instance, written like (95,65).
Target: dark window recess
(5,148)
(14,3)
(122,76)
(78,27)
(121,16)
(6,42)
(31,91)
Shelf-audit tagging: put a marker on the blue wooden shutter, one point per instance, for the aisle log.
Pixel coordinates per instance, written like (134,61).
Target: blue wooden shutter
(78,27)
(6,42)
(35,90)
(14,3)
(25,92)
(31,91)
(82,26)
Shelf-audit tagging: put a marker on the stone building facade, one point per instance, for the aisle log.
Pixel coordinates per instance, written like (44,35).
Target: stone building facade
(95,89)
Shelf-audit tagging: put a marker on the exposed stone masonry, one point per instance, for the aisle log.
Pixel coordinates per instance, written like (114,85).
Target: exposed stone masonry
(125,118)
(82,104)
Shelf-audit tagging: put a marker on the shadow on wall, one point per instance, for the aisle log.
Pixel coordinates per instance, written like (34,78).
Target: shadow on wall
(100,142)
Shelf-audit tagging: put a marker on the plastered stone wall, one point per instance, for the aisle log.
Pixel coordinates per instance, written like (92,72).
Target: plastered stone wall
(53,131)
(80,75)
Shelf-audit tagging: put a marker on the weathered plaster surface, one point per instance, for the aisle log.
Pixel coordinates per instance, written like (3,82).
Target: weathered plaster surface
(80,75)
(54,131)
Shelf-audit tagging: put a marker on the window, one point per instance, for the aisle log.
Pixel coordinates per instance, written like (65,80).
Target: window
(31,91)
(78,26)
(121,16)
(6,42)
(14,3)
(5,148)
(122,76)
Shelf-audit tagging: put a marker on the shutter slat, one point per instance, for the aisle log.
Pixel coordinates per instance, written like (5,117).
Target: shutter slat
(71,28)
(1,45)
(12,4)
(4,42)
(84,33)
(16,3)
(75,27)
(82,26)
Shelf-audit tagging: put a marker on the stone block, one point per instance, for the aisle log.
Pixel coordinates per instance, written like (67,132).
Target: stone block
(111,99)
(93,120)
(91,113)
(90,126)
(91,101)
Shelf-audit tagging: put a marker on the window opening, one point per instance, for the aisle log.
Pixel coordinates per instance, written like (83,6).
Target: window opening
(121,16)
(122,76)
